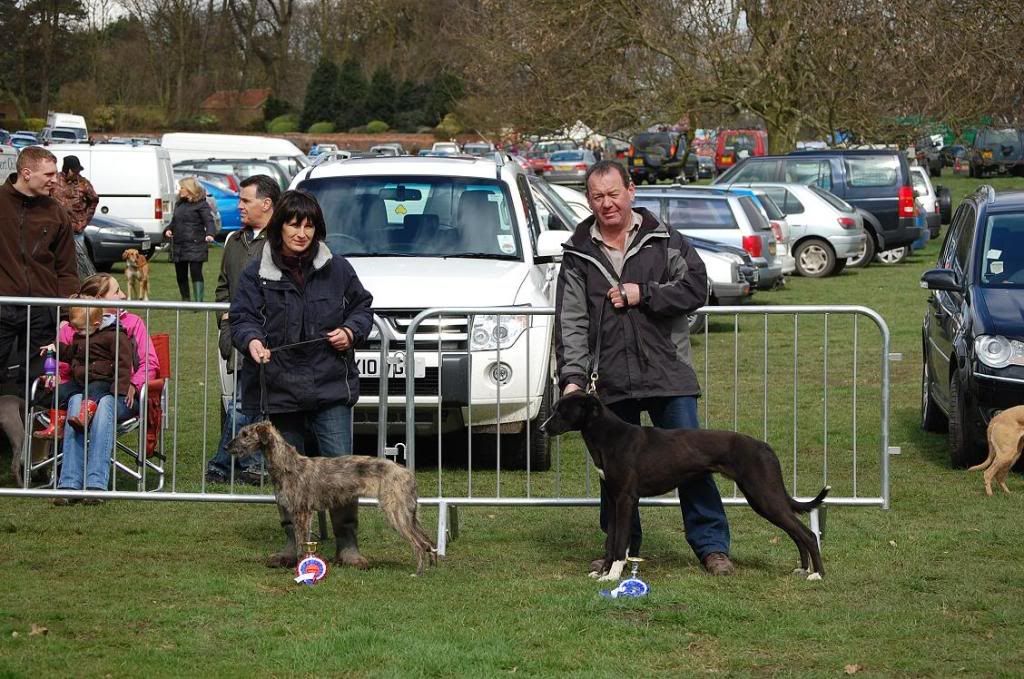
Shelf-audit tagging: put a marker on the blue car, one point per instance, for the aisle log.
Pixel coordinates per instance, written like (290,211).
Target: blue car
(227,203)
(21,139)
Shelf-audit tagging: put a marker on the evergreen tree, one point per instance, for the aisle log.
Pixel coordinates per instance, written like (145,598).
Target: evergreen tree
(351,93)
(321,95)
(382,97)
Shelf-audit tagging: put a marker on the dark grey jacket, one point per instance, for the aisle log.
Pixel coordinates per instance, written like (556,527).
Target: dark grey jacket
(240,248)
(190,225)
(645,349)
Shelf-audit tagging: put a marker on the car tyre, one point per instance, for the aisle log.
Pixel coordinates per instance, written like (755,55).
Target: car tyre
(814,258)
(866,254)
(932,419)
(963,439)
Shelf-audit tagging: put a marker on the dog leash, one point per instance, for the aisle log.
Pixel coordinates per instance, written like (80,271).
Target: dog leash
(592,384)
(264,406)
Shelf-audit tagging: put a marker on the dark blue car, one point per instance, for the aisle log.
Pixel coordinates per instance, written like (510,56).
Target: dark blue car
(973,331)
(227,203)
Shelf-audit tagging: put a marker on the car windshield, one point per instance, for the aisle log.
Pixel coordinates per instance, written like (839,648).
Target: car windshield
(417,216)
(1002,259)
(700,213)
(1009,137)
(740,142)
(566,156)
(831,198)
(652,140)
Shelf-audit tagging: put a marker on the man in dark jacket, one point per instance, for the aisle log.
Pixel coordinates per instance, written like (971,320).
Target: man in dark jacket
(76,194)
(37,256)
(256,201)
(626,285)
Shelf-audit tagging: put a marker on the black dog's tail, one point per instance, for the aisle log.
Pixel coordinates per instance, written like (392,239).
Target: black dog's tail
(804,507)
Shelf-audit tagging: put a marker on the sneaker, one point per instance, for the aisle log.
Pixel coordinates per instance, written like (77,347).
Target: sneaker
(65,501)
(215,475)
(92,501)
(718,563)
(254,476)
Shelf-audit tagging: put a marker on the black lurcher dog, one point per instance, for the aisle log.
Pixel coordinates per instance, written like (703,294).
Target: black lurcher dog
(640,462)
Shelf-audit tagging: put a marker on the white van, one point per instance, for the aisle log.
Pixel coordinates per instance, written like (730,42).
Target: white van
(68,121)
(133,182)
(196,146)
(8,161)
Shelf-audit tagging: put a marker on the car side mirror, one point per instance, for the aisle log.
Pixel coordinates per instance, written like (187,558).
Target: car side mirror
(940,279)
(549,246)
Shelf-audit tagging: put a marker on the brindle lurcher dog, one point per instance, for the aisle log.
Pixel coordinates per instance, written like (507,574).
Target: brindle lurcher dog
(304,485)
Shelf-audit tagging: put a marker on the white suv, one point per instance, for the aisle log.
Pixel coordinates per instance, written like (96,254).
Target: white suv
(426,232)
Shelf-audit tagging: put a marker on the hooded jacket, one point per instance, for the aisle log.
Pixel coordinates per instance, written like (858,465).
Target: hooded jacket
(111,357)
(269,307)
(191,224)
(37,248)
(644,350)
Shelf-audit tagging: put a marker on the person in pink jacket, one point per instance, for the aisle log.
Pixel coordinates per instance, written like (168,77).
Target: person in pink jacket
(90,469)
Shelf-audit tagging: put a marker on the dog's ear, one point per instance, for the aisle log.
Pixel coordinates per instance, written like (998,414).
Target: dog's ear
(124,255)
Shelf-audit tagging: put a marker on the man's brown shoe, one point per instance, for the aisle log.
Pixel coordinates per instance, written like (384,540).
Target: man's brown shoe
(718,563)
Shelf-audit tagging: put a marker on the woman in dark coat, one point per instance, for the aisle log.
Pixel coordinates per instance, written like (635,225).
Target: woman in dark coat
(297,313)
(191,228)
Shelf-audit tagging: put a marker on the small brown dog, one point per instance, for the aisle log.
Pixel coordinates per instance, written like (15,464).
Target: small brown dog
(136,270)
(304,485)
(1005,439)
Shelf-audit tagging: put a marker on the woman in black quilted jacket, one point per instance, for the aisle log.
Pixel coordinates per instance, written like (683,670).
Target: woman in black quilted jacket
(191,229)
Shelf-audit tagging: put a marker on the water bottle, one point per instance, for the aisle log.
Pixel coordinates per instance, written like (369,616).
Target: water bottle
(50,363)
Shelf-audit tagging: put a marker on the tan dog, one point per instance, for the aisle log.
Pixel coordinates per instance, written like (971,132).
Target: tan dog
(1005,439)
(137,272)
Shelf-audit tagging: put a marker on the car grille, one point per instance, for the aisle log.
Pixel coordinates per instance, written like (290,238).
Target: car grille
(447,333)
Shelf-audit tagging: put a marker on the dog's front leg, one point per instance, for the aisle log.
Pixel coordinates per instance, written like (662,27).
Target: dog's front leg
(618,537)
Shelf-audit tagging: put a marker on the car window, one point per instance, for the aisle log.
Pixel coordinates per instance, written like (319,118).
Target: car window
(1009,137)
(550,203)
(832,199)
(649,140)
(785,200)
(771,208)
(649,202)
(872,171)
(526,196)
(919,183)
(945,260)
(417,216)
(1002,259)
(753,172)
(964,238)
(566,156)
(754,214)
(811,171)
(700,213)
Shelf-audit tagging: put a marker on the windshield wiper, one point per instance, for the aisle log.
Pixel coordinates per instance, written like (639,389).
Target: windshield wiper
(481,255)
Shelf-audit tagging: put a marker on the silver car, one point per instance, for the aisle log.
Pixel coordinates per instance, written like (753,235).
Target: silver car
(568,167)
(824,230)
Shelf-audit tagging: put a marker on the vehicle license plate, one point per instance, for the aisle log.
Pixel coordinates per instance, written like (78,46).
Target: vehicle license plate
(987,155)
(146,243)
(563,168)
(638,161)
(369,366)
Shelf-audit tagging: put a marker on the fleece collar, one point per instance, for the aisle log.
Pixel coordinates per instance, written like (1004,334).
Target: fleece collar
(272,272)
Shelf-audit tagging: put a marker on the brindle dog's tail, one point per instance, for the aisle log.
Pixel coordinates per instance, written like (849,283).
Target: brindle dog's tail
(804,507)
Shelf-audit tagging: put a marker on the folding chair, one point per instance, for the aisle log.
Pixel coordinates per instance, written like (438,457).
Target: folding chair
(147,456)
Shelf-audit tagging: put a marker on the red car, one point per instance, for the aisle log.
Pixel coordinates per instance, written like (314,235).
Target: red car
(733,146)
(537,160)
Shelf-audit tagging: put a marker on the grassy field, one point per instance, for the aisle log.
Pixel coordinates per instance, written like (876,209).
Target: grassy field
(927,588)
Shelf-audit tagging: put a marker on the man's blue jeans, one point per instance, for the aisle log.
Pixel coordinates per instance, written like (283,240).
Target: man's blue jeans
(76,472)
(707,529)
(232,420)
(332,427)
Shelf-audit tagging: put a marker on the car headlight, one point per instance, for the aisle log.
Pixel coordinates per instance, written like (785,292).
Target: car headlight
(996,351)
(493,331)
(123,233)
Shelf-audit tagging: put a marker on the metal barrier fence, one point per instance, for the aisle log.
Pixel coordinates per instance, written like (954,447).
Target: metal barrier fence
(803,378)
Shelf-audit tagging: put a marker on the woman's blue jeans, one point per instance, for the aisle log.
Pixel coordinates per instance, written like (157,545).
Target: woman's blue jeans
(331,425)
(86,462)
(707,529)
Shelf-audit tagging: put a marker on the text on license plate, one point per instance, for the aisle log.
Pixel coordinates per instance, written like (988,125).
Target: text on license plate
(369,365)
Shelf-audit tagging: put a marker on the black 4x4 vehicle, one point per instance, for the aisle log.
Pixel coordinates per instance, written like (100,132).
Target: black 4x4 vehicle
(655,155)
(875,180)
(995,150)
(973,332)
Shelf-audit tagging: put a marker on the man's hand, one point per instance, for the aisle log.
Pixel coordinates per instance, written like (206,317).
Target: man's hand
(569,388)
(632,297)
(340,339)
(258,352)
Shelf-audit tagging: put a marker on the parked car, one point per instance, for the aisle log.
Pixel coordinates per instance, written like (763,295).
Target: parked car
(926,150)
(59,135)
(449,232)
(928,199)
(196,146)
(875,180)
(5,137)
(999,151)
(317,149)
(240,167)
(537,160)
(478,148)
(972,334)
(653,156)
(106,239)
(227,206)
(449,148)
(549,146)
(732,146)
(568,167)
(951,153)
(8,160)
(224,180)
(717,215)
(23,138)
(824,230)
(388,149)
